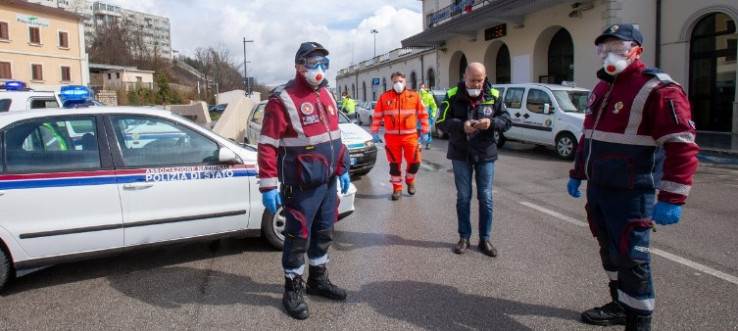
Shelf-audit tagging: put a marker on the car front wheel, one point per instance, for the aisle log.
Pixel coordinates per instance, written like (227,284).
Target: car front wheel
(5,269)
(566,146)
(272,227)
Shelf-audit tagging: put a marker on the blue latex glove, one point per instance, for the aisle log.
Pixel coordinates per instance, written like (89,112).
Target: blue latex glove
(573,187)
(345,180)
(424,136)
(665,213)
(375,137)
(271,200)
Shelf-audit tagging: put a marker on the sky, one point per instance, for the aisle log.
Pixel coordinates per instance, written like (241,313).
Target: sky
(277,27)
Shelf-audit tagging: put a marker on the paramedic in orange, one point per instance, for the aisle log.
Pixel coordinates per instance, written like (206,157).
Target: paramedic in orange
(401,109)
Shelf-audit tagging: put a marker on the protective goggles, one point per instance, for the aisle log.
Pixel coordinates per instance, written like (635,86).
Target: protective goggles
(617,47)
(313,62)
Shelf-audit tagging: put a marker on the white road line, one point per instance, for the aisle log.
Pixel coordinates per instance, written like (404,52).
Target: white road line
(654,251)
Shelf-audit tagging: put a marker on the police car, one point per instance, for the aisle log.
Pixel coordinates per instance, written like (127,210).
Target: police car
(79,183)
(15,95)
(362,150)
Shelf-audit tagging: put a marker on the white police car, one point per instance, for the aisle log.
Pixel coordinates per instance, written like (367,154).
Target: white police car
(15,95)
(362,150)
(79,183)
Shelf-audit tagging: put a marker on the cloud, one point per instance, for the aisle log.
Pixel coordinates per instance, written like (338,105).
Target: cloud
(277,28)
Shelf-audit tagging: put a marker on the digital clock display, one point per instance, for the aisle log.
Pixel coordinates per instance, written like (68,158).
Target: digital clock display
(497,31)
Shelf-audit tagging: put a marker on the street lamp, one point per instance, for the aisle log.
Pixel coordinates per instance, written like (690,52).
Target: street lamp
(374,32)
(246,82)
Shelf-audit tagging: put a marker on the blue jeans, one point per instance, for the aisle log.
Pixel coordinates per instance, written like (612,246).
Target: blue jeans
(485,172)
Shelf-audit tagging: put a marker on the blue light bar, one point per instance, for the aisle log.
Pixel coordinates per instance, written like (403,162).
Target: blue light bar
(14,85)
(75,92)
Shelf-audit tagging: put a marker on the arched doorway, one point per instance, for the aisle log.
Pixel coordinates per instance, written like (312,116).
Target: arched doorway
(456,68)
(431,79)
(502,66)
(413,83)
(560,58)
(712,72)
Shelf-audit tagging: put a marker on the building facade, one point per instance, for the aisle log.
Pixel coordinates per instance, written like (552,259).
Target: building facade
(552,41)
(41,46)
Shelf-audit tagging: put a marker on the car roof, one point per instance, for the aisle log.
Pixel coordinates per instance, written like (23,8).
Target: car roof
(548,86)
(9,117)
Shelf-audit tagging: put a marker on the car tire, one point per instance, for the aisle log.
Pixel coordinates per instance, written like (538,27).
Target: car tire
(5,269)
(566,146)
(272,227)
(500,139)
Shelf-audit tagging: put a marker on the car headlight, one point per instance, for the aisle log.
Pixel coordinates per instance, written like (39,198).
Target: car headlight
(369,143)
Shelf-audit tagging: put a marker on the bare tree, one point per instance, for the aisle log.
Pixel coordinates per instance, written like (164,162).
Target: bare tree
(110,45)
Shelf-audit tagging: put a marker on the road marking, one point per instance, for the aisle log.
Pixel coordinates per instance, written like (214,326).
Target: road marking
(654,251)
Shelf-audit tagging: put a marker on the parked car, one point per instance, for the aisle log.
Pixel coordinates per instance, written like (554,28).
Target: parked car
(545,114)
(364,112)
(84,182)
(361,147)
(14,95)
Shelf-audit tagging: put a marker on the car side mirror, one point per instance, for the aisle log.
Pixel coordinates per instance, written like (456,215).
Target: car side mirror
(226,155)
(546,108)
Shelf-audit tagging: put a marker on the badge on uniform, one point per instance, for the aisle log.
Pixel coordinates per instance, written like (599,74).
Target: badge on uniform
(389,102)
(487,111)
(307,108)
(618,107)
(331,110)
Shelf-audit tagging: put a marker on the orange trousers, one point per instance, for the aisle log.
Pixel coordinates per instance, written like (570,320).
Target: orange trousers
(398,146)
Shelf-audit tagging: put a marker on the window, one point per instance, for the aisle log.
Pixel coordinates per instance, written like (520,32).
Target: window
(63,39)
(536,100)
(150,141)
(4,34)
(66,74)
(258,114)
(117,75)
(514,97)
(5,72)
(34,35)
(37,72)
(46,145)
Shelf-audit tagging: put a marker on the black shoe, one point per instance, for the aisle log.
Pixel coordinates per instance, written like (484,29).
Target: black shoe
(609,314)
(396,194)
(462,246)
(427,146)
(486,247)
(411,189)
(319,284)
(293,299)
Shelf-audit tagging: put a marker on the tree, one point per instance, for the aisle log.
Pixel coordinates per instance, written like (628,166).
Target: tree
(110,45)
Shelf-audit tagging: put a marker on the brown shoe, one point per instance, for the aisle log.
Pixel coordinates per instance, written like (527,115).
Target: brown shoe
(462,246)
(486,247)
(411,189)
(396,195)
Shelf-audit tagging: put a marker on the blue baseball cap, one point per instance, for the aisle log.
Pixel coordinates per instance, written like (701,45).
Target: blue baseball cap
(309,47)
(622,32)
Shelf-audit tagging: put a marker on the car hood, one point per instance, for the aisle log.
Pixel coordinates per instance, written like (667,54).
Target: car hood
(353,136)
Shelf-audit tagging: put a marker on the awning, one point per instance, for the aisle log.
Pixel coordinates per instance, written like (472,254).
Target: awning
(490,14)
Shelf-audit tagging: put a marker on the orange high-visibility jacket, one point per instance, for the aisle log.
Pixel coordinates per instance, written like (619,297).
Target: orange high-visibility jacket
(400,112)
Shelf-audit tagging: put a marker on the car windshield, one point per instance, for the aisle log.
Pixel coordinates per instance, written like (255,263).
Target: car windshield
(342,119)
(572,101)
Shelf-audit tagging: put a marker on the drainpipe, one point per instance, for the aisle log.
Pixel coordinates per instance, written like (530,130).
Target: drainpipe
(657,52)
(422,72)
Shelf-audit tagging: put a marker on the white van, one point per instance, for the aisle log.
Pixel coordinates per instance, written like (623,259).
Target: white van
(545,114)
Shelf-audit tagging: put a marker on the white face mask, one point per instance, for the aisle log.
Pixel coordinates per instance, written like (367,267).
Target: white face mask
(314,76)
(399,87)
(615,64)
(474,92)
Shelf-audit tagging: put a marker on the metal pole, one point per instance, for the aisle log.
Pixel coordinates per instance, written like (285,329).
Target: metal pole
(374,32)
(246,83)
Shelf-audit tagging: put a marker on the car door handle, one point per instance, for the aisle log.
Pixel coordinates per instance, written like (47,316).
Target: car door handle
(137,186)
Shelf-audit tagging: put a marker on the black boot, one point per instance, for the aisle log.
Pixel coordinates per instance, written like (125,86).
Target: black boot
(609,314)
(637,322)
(319,284)
(293,299)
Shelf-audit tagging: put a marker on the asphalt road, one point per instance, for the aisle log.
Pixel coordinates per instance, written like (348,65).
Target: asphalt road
(396,261)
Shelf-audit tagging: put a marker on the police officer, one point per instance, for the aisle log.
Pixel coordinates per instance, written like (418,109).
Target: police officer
(431,108)
(638,137)
(300,148)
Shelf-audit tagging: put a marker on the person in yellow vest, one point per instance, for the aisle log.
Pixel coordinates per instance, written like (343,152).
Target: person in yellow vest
(430,107)
(349,106)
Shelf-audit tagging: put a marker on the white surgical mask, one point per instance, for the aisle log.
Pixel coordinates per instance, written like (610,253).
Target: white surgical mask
(314,76)
(615,64)
(474,92)
(398,87)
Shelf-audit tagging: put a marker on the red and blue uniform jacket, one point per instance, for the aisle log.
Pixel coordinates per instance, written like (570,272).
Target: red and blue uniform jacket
(638,134)
(300,143)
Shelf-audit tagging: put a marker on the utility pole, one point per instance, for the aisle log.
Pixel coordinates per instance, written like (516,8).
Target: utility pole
(374,32)
(247,82)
